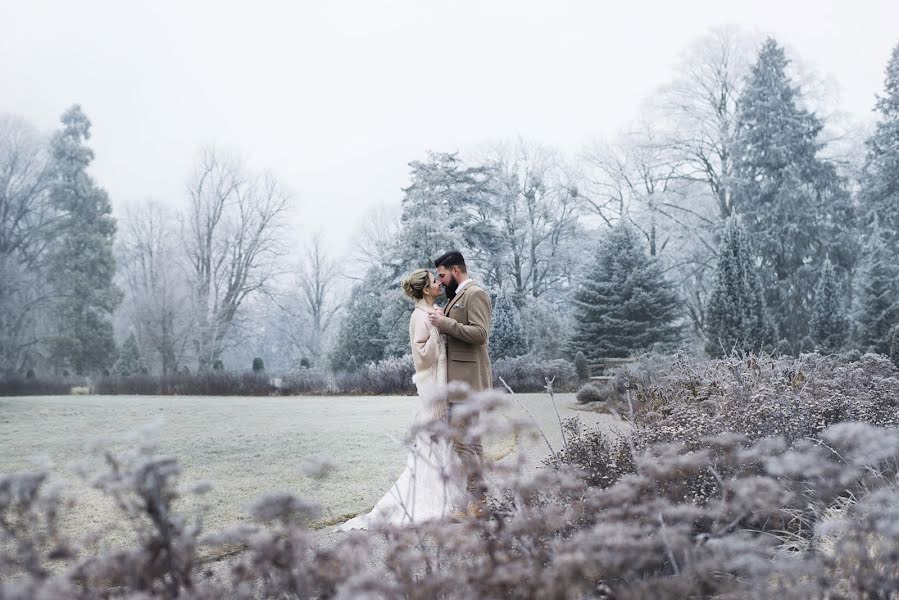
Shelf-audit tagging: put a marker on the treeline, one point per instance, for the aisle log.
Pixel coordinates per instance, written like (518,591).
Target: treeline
(736,213)
(731,218)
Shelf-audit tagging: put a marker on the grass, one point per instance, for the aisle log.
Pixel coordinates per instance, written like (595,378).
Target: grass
(243,445)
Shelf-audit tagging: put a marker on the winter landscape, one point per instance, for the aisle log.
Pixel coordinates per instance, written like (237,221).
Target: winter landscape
(687,227)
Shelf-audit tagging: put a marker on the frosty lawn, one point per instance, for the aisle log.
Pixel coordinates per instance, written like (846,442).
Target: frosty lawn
(244,446)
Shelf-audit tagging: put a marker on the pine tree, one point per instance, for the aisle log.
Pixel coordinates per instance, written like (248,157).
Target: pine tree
(878,296)
(879,194)
(508,337)
(794,204)
(736,317)
(829,322)
(359,334)
(129,361)
(82,266)
(625,303)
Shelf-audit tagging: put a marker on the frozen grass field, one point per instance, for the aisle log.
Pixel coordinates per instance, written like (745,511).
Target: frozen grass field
(243,446)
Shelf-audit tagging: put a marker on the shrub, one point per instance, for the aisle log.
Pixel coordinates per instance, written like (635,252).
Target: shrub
(623,530)
(16,385)
(210,383)
(602,457)
(529,374)
(581,366)
(590,393)
(258,365)
(388,376)
(29,374)
(218,365)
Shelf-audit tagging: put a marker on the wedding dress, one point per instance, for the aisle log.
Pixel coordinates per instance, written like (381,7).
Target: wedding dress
(429,487)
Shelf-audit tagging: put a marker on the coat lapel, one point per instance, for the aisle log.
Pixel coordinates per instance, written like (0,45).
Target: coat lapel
(452,303)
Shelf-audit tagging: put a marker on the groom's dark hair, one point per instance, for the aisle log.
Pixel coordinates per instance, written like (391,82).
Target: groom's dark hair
(451,259)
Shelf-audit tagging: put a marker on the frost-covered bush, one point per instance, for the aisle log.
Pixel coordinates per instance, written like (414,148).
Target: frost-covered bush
(590,393)
(388,376)
(210,383)
(817,519)
(602,457)
(529,374)
(16,385)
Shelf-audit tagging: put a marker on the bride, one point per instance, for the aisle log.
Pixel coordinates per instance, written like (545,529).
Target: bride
(428,487)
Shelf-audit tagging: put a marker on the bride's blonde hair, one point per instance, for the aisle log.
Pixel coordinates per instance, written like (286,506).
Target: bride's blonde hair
(415,283)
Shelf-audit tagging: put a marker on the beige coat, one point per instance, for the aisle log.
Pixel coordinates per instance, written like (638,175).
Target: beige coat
(467,329)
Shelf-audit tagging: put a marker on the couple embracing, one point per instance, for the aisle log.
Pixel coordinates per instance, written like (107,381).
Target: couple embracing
(442,479)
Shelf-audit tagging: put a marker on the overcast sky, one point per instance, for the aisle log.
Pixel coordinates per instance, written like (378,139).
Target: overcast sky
(337,97)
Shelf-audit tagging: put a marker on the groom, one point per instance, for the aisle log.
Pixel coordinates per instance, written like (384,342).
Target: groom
(466,323)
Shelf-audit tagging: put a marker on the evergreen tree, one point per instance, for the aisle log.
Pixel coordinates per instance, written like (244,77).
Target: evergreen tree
(878,296)
(359,335)
(829,322)
(508,337)
(447,205)
(879,194)
(794,204)
(581,367)
(82,266)
(129,361)
(624,303)
(393,323)
(736,318)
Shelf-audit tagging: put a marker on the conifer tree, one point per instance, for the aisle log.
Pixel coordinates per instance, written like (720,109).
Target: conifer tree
(82,265)
(795,206)
(624,304)
(736,317)
(508,337)
(829,323)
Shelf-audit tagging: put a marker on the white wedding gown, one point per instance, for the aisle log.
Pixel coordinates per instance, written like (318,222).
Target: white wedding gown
(428,487)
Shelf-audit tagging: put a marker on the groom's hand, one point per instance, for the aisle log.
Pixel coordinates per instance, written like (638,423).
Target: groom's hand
(437,318)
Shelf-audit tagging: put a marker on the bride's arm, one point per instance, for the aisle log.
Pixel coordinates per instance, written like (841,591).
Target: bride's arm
(424,339)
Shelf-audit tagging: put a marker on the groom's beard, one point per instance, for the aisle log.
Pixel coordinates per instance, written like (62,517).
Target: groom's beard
(450,289)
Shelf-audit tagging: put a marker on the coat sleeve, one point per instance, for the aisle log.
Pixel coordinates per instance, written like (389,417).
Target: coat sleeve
(477,331)
(424,339)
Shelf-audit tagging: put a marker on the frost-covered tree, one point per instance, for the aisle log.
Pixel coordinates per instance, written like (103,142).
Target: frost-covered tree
(157,297)
(82,265)
(624,303)
(233,236)
(547,326)
(508,337)
(26,221)
(393,323)
(879,194)
(359,334)
(447,205)
(536,218)
(878,295)
(794,204)
(736,317)
(129,361)
(829,322)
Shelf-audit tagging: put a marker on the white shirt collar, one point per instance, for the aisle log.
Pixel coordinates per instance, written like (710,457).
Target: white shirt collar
(462,285)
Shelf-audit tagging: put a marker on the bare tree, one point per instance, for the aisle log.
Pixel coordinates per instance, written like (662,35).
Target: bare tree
(700,107)
(26,221)
(313,304)
(376,233)
(157,298)
(232,232)
(536,215)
